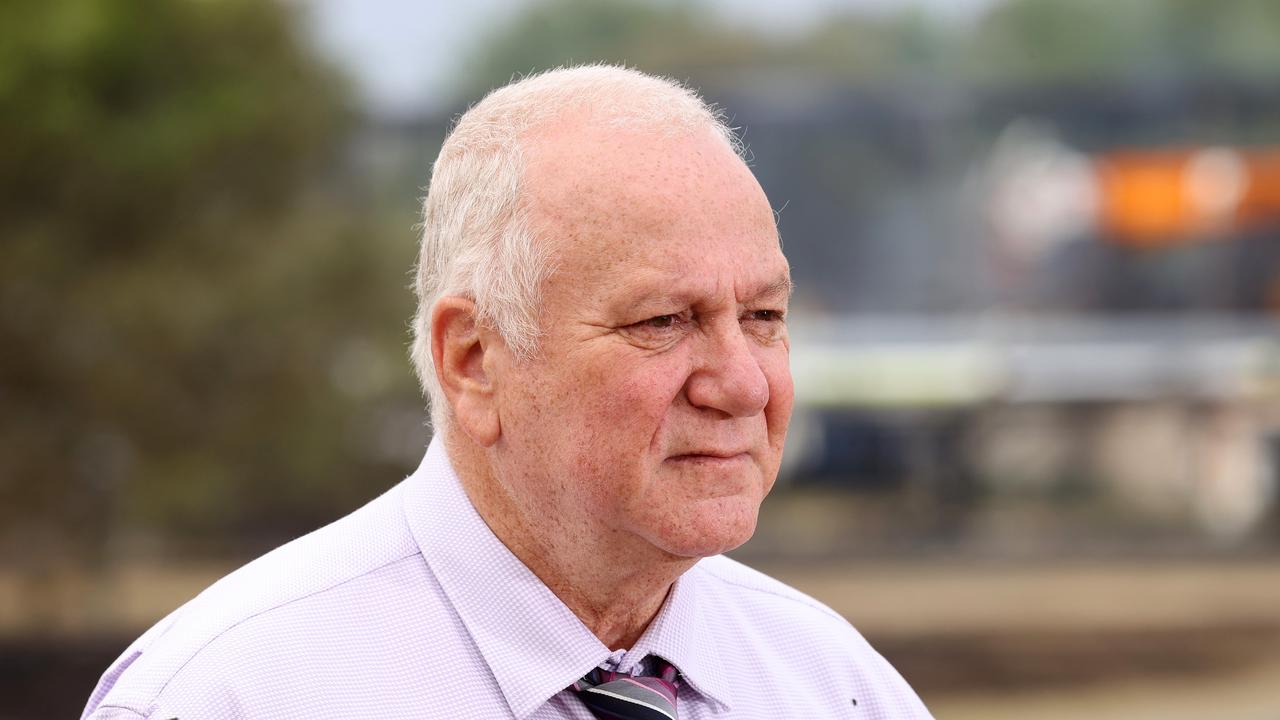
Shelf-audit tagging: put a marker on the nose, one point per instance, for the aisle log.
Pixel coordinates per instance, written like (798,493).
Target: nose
(727,376)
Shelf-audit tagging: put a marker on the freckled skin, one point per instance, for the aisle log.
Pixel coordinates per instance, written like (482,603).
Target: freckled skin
(650,425)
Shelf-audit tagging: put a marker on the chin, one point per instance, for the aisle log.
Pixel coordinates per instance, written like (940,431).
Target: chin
(716,526)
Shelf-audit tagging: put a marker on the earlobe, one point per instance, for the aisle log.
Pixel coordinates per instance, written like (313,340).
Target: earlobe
(458,348)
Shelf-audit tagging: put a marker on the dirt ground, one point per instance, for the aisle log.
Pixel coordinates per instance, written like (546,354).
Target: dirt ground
(1119,639)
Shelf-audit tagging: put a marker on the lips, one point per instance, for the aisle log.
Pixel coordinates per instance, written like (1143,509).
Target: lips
(710,455)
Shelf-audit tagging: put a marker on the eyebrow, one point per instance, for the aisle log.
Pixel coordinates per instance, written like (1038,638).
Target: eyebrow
(782,287)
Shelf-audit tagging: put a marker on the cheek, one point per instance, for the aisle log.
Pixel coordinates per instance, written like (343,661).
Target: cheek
(622,402)
(646,394)
(619,412)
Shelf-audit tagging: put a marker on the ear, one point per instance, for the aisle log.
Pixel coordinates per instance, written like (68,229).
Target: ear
(458,348)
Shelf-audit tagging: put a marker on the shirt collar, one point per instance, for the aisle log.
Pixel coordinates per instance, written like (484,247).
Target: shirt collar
(534,645)
(680,634)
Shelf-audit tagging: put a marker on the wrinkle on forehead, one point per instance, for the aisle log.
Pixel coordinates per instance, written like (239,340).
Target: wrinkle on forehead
(770,281)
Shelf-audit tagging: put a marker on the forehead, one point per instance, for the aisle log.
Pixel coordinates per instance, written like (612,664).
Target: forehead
(631,207)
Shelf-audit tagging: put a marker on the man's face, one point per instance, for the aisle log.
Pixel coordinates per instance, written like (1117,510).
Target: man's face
(658,403)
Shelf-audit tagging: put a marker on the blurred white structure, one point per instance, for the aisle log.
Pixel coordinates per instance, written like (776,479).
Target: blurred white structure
(1176,419)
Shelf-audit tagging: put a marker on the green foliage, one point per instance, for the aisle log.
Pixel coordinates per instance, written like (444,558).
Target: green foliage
(127,114)
(1017,42)
(1027,41)
(864,48)
(175,271)
(671,38)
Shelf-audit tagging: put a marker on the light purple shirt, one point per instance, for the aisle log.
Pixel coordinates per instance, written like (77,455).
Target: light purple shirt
(411,607)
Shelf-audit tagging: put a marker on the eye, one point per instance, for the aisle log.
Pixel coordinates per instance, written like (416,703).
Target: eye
(659,330)
(668,321)
(661,322)
(767,325)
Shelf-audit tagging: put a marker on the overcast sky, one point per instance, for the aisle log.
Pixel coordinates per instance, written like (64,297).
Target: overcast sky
(406,53)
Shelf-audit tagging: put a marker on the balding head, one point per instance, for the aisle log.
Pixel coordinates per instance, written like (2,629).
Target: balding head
(477,239)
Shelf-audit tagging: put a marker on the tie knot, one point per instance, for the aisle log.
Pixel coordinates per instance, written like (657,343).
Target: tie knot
(618,696)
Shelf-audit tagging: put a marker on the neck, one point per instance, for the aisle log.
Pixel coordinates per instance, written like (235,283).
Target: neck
(574,558)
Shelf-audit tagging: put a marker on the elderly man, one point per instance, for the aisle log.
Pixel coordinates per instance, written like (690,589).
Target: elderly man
(601,331)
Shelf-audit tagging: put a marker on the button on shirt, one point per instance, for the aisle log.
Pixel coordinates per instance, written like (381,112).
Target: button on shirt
(412,608)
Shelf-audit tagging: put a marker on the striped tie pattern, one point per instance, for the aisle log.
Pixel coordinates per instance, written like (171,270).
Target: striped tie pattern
(615,696)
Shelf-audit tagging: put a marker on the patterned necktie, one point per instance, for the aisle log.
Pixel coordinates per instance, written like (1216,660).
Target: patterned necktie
(615,696)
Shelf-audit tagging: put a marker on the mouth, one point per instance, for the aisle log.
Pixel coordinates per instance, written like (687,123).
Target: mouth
(715,457)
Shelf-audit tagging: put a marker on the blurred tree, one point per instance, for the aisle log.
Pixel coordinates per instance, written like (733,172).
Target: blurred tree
(670,38)
(176,270)
(867,48)
(1038,41)
(685,40)
(1015,42)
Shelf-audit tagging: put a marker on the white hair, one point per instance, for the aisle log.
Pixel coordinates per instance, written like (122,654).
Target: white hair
(476,238)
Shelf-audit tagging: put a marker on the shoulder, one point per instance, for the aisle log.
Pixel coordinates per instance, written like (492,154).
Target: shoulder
(746,587)
(296,589)
(778,631)
(774,618)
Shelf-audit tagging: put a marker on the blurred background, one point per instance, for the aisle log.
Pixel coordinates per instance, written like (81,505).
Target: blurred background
(1036,333)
